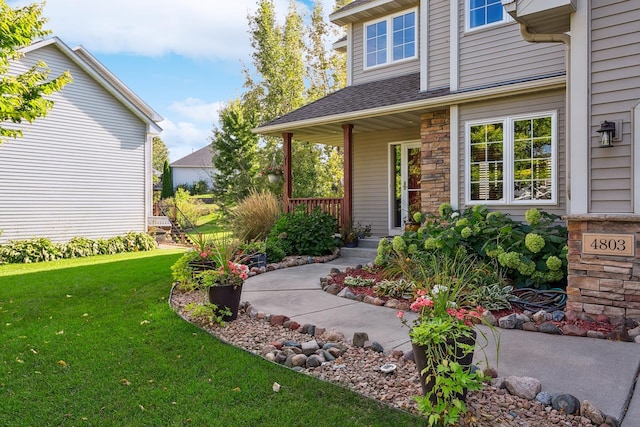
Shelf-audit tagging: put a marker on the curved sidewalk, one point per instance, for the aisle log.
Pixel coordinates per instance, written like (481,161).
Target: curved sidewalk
(602,372)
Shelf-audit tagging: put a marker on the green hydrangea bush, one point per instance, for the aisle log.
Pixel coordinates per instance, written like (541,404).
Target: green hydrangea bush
(531,253)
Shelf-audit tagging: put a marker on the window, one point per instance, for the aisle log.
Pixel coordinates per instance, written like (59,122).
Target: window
(512,160)
(382,48)
(484,12)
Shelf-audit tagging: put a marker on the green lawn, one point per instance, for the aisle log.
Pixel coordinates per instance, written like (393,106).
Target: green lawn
(93,342)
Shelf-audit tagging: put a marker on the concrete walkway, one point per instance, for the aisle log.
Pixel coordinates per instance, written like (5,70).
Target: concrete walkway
(603,372)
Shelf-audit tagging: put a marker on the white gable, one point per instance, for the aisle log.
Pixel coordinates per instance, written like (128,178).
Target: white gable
(84,169)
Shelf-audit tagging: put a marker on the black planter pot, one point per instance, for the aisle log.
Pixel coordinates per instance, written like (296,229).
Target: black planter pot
(420,357)
(226,296)
(257,260)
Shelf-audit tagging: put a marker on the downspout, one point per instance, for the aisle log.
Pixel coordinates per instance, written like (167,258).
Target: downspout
(566,39)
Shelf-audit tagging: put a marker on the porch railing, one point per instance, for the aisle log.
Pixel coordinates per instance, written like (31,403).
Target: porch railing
(330,205)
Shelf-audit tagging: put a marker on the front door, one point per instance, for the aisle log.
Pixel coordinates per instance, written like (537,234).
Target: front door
(405,190)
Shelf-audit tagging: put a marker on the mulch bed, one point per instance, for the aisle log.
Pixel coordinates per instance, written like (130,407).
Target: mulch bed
(377,274)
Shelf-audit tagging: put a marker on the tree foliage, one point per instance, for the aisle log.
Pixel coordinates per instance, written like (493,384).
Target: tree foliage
(159,156)
(235,159)
(290,68)
(167,181)
(23,96)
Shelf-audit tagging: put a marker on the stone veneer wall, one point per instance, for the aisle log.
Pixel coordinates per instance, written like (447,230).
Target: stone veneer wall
(436,160)
(603,284)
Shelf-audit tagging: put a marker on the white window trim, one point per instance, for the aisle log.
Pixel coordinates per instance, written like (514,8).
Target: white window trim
(506,18)
(389,20)
(507,172)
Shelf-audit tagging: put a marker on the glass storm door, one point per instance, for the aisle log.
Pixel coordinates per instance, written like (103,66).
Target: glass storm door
(406,177)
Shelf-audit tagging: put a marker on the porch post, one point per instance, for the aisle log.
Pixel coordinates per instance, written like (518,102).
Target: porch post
(286,147)
(347,203)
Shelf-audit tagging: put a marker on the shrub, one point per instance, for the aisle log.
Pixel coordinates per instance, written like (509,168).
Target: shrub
(301,233)
(42,249)
(255,215)
(190,209)
(530,253)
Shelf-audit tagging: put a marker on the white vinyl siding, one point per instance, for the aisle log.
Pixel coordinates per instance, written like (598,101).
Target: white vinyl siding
(78,172)
(371,177)
(438,44)
(362,74)
(615,79)
(186,175)
(498,54)
(522,106)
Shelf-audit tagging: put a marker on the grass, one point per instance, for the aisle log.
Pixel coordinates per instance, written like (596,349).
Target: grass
(93,342)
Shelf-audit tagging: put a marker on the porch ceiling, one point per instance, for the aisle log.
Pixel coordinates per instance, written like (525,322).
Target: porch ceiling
(331,133)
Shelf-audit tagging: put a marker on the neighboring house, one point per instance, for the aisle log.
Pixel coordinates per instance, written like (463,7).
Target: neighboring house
(495,102)
(84,169)
(195,167)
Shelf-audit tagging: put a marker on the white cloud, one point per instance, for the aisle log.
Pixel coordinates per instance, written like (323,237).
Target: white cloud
(183,138)
(210,29)
(197,110)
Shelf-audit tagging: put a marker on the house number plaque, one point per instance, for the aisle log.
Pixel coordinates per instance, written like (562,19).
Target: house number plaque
(608,244)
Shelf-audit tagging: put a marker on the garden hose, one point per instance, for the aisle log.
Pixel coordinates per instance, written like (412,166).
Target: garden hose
(538,299)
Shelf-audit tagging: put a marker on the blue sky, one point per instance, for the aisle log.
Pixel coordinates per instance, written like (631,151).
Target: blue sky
(182,57)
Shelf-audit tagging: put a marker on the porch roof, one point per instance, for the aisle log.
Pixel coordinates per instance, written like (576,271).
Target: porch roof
(320,120)
(394,103)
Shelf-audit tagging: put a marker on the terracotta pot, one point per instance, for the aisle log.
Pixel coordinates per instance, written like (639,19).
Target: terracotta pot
(226,296)
(420,357)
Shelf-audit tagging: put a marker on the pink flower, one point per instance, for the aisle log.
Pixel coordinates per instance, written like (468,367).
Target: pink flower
(400,314)
(204,254)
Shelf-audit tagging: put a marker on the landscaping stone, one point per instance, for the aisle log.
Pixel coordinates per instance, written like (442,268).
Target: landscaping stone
(360,338)
(549,328)
(565,402)
(299,360)
(525,387)
(530,326)
(557,315)
(544,397)
(333,289)
(588,410)
(377,347)
(309,347)
(278,320)
(574,330)
(538,316)
(508,322)
(314,361)
(332,334)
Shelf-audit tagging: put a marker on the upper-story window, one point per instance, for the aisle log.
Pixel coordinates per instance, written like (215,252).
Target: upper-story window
(484,12)
(512,160)
(390,39)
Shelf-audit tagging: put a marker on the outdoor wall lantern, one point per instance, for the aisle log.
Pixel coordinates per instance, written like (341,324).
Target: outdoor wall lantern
(607,133)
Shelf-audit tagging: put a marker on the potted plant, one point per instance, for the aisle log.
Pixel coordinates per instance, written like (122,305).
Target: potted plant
(274,173)
(443,336)
(349,236)
(253,254)
(213,267)
(362,230)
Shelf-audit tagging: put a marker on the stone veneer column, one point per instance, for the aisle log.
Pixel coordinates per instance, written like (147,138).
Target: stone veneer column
(603,284)
(436,160)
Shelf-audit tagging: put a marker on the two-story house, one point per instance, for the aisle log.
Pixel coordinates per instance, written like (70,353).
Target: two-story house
(507,103)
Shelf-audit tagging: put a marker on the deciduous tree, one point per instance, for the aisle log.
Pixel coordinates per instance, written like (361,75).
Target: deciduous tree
(23,96)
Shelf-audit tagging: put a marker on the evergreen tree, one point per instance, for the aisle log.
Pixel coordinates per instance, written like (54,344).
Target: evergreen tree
(235,159)
(159,157)
(167,181)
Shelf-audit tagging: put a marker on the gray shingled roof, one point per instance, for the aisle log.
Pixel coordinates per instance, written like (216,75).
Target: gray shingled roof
(200,158)
(365,96)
